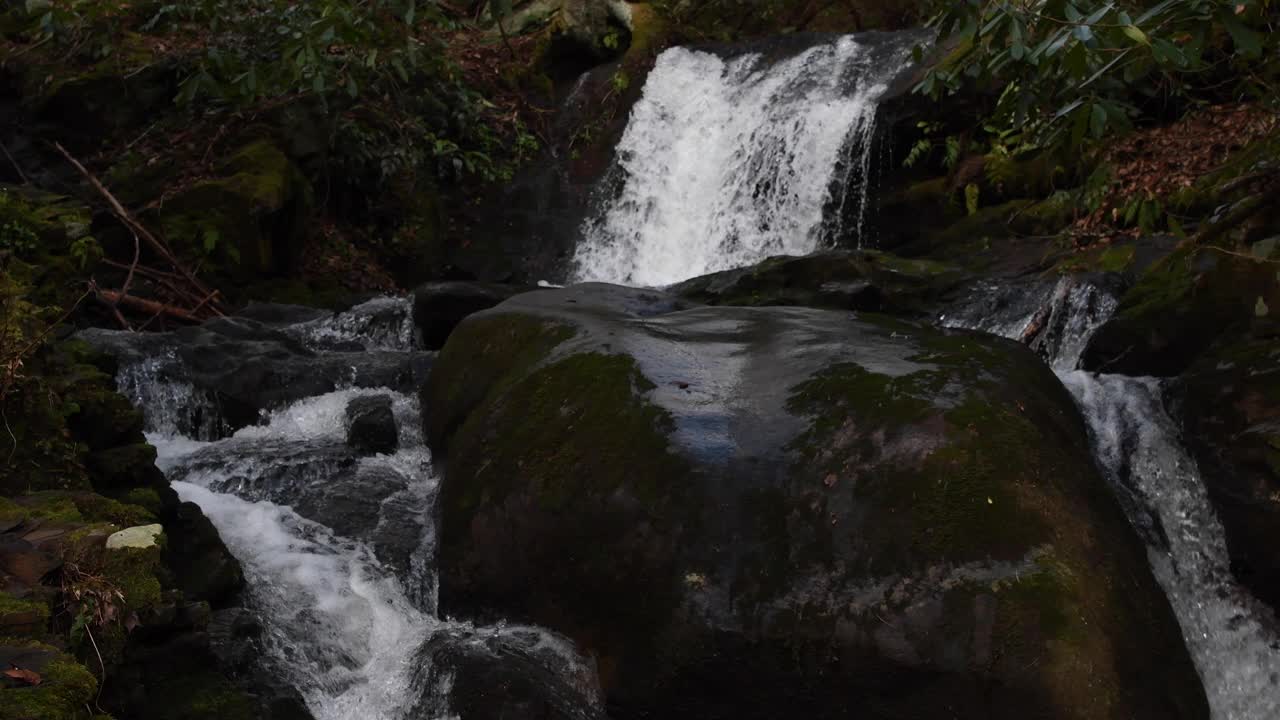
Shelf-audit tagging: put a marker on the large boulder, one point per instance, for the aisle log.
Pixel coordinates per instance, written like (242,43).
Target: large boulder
(766,512)
(1230,407)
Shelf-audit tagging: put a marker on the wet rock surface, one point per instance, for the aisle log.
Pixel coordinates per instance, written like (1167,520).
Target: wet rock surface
(247,368)
(759,511)
(838,280)
(372,425)
(439,307)
(513,673)
(1229,403)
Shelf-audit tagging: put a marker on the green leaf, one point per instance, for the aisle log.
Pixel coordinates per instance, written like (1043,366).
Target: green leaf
(211,238)
(1167,53)
(1098,120)
(1247,42)
(1261,309)
(1134,33)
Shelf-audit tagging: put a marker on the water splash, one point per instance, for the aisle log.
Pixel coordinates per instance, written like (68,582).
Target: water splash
(726,162)
(1231,635)
(383,323)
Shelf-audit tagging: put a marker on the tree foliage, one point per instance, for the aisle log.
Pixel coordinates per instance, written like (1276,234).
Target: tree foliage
(1068,73)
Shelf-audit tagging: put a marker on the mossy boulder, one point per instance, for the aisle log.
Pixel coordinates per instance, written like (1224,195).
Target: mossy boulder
(1181,305)
(65,691)
(1229,403)
(765,512)
(840,279)
(250,217)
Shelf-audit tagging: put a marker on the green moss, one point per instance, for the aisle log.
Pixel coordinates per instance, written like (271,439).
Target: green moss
(145,498)
(66,691)
(200,696)
(485,356)
(619,441)
(96,508)
(28,617)
(133,571)
(49,506)
(250,218)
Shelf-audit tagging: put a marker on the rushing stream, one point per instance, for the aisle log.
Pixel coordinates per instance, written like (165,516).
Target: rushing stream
(337,549)
(725,161)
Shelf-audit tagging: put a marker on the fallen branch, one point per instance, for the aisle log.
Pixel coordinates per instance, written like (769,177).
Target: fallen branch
(113,298)
(136,227)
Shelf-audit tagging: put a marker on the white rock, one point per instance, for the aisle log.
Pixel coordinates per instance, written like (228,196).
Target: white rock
(142,536)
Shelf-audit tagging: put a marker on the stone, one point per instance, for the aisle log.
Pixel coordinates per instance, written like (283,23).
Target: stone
(142,536)
(837,279)
(1229,404)
(653,479)
(371,425)
(438,307)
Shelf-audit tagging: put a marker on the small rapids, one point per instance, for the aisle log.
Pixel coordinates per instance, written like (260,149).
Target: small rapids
(1233,638)
(337,549)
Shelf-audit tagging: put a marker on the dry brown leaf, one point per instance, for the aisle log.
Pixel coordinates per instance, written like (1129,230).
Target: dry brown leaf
(29,677)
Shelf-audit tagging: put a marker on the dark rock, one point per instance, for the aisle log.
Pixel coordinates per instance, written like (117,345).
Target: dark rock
(1229,404)
(1178,308)
(508,673)
(246,368)
(439,307)
(326,483)
(372,425)
(201,565)
(838,279)
(765,512)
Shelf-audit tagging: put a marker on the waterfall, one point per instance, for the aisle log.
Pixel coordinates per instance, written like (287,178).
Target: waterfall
(725,162)
(337,549)
(1232,637)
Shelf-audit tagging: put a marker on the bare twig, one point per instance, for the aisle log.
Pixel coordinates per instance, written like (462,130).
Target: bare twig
(16,166)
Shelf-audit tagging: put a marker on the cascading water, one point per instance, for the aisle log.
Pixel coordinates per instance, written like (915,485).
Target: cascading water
(1234,640)
(728,161)
(337,548)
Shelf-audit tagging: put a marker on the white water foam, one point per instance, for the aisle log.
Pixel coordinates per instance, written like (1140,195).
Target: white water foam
(1232,637)
(340,628)
(383,323)
(727,162)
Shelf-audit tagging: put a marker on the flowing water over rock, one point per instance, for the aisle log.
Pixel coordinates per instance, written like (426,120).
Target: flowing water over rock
(338,547)
(728,161)
(1233,638)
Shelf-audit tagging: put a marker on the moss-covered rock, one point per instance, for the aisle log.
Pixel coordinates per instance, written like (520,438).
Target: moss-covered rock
(22,618)
(251,216)
(757,512)
(1180,305)
(65,692)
